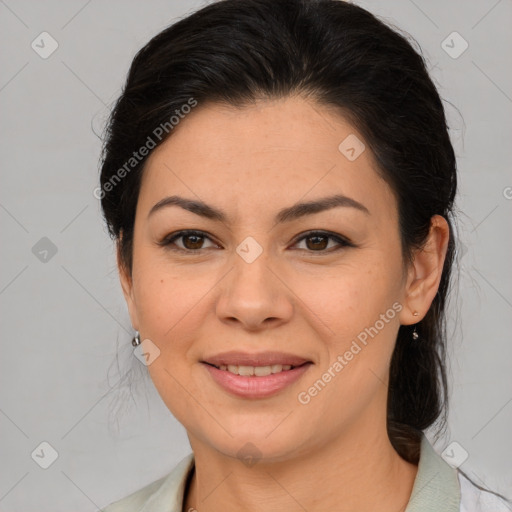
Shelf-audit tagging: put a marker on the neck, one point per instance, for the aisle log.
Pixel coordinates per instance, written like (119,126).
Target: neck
(359,471)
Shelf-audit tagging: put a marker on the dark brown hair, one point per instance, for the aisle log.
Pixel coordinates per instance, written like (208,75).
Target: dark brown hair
(236,51)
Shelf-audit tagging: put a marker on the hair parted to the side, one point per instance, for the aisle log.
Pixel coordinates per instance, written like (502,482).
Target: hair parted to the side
(344,58)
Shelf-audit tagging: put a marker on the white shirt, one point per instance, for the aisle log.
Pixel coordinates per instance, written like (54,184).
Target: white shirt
(475,500)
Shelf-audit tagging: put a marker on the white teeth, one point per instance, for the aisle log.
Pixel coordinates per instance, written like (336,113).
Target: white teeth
(246,371)
(259,371)
(262,371)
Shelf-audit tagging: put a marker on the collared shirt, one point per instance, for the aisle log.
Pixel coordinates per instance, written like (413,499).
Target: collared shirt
(437,488)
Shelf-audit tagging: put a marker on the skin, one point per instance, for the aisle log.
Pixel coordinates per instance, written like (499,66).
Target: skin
(298,297)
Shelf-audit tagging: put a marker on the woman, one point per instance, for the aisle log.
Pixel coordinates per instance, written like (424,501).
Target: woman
(279,181)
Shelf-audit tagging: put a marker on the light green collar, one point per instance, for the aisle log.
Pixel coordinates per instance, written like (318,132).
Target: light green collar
(436,486)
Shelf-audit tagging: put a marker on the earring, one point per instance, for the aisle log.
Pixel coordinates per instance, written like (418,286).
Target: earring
(136,340)
(415,335)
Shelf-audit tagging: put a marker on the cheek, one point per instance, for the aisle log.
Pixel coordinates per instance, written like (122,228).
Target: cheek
(349,298)
(162,292)
(171,311)
(167,303)
(360,306)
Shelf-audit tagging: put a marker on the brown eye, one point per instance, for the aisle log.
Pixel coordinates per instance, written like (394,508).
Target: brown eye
(192,241)
(187,241)
(317,242)
(322,242)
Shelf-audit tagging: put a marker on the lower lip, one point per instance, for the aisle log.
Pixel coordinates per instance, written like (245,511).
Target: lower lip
(256,387)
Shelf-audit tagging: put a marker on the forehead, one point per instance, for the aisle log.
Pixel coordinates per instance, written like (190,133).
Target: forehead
(269,152)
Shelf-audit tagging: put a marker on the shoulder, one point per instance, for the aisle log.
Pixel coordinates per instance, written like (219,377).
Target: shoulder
(162,495)
(473,499)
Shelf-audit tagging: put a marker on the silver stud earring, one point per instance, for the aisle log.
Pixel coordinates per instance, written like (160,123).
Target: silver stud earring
(136,340)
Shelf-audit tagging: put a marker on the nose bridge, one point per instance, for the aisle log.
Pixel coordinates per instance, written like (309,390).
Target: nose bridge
(252,293)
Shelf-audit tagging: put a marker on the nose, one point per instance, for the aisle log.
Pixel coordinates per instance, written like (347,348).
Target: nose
(253,296)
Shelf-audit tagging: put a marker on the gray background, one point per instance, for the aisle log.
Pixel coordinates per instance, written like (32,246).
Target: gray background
(65,329)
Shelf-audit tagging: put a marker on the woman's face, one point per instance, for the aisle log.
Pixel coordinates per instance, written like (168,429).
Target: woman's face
(256,282)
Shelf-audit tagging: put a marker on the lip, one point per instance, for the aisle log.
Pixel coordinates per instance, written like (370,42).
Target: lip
(261,359)
(253,386)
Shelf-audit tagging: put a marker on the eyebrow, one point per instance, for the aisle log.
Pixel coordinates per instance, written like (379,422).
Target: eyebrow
(285,215)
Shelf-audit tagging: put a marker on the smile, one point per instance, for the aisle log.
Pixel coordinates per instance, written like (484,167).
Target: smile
(255,382)
(258,371)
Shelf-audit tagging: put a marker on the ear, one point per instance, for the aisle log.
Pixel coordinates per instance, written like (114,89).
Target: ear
(126,280)
(424,273)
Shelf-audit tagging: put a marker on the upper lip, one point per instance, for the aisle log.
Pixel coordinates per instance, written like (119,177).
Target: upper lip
(261,359)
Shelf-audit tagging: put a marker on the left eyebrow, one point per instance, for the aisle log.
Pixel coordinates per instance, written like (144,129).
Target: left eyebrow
(285,215)
(319,205)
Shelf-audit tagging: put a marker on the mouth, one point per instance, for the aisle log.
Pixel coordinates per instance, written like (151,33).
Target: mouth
(255,376)
(255,371)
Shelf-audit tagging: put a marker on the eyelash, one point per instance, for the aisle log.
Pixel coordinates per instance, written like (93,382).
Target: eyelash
(168,241)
